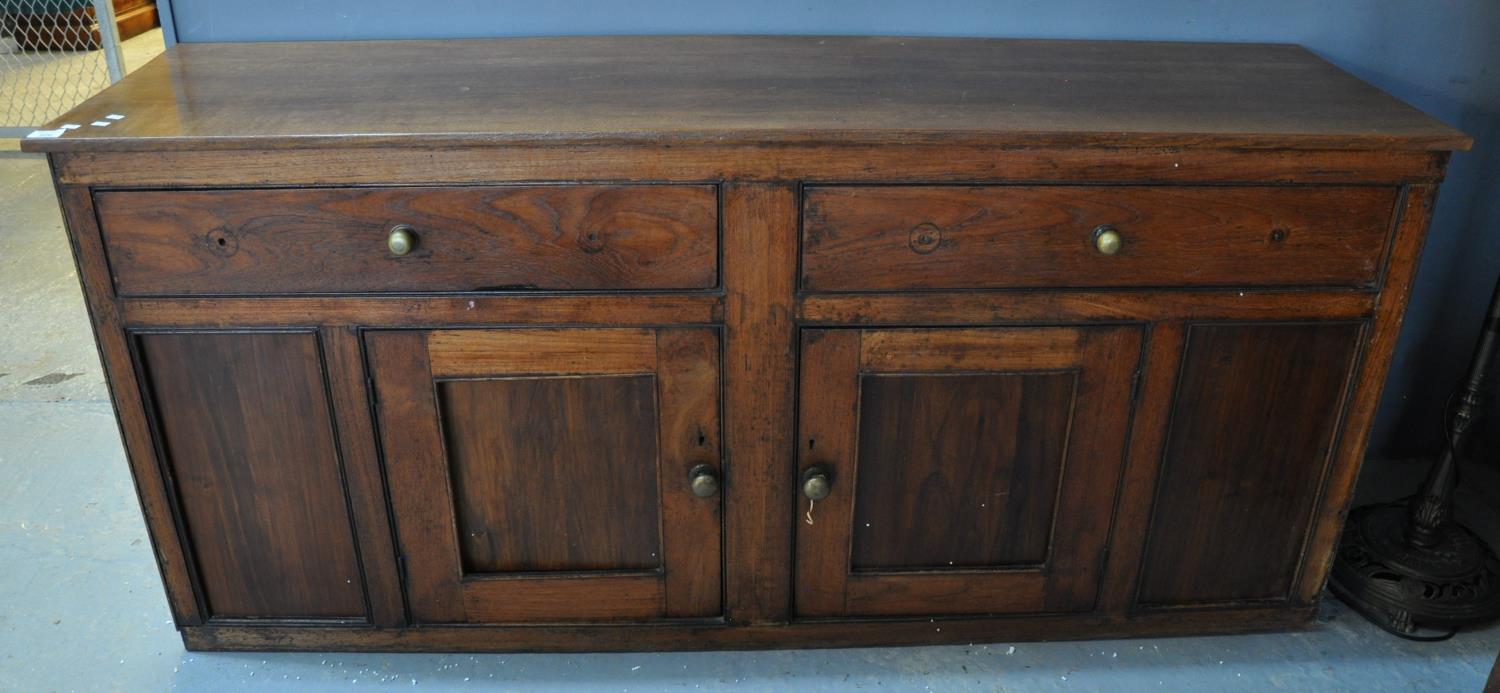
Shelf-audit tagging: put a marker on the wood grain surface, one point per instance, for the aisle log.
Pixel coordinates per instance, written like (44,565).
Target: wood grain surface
(462,353)
(716,636)
(959,470)
(524,491)
(760,370)
(553,474)
(1253,425)
(246,242)
(992,484)
(248,434)
(877,238)
(826,163)
(683,89)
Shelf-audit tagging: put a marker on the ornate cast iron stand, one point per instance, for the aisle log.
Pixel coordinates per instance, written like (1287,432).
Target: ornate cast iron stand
(1408,565)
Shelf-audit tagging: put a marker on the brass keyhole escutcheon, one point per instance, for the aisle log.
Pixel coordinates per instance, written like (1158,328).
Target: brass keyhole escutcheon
(704,480)
(401,240)
(817,483)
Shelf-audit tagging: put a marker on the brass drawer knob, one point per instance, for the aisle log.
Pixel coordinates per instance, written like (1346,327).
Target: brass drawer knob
(816,483)
(1107,239)
(401,240)
(704,480)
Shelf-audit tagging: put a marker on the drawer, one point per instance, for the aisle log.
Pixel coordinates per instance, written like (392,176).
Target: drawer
(878,238)
(334,240)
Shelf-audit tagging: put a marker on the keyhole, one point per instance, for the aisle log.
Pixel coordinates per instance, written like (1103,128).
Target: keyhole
(925,238)
(591,241)
(222,242)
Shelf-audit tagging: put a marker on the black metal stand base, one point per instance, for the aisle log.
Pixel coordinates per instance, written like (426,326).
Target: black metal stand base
(1408,566)
(1409,589)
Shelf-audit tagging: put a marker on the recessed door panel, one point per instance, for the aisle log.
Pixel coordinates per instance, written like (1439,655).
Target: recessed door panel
(553,475)
(959,470)
(968,471)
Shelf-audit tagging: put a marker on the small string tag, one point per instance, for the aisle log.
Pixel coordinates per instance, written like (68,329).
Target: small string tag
(810,504)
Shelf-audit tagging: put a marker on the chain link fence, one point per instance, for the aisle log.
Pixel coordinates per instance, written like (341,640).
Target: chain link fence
(54,54)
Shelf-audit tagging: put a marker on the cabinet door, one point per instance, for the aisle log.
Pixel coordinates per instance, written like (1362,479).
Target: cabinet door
(246,434)
(971,471)
(548,474)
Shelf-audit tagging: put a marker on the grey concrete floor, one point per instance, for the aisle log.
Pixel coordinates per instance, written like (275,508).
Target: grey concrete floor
(81,607)
(37,86)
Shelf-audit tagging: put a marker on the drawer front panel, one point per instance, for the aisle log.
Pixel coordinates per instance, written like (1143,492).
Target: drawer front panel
(889,238)
(335,240)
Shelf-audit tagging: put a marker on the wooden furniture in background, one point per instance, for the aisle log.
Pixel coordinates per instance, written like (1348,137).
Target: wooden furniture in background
(70,25)
(631,343)
(135,17)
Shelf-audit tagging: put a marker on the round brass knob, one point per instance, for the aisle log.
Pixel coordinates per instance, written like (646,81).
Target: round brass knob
(703,480)
(1107,240)
(401,240)
(816,483)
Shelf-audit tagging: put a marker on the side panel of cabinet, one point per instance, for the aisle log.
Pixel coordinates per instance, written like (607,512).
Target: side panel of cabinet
(246,434)
(1253,422)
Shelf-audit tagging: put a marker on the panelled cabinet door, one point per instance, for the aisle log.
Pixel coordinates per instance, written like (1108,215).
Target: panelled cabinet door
(968,471)
(557,475)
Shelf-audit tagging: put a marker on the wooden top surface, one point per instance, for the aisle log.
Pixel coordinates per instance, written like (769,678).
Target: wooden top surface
(734,89)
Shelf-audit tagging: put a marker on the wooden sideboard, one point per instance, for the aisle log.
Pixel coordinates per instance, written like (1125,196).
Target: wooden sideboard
(733,342)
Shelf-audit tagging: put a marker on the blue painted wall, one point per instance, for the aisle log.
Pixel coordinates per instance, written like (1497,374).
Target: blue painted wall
(1441,55)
